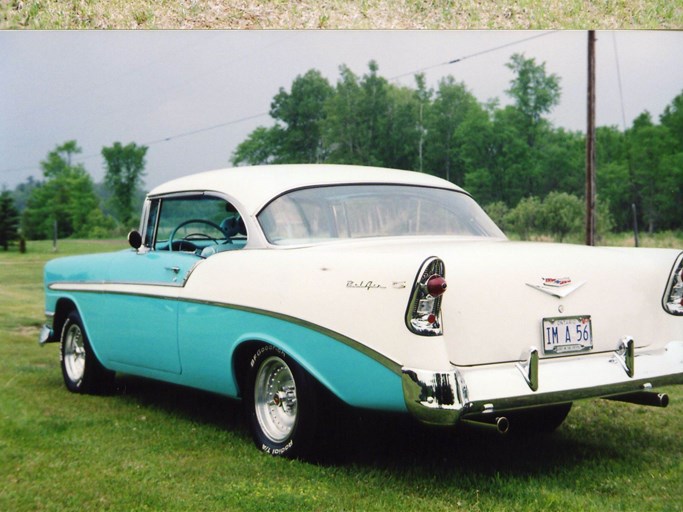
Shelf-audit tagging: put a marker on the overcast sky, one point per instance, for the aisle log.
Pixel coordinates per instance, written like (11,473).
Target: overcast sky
(192,96)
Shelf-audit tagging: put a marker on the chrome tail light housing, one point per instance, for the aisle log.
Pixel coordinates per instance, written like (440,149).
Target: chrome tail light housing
(423,315)
(673,296)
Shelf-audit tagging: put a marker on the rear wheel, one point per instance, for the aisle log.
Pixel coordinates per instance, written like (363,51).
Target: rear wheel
(280,403)
(81,370)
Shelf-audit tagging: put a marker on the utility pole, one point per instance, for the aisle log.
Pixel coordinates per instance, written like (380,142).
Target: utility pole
(590,144)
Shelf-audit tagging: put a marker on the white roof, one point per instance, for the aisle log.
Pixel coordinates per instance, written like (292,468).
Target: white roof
(254,186)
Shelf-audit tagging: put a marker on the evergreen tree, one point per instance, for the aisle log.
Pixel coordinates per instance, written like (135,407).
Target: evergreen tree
(9,219)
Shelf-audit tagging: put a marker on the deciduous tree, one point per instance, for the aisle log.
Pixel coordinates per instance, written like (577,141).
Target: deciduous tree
(125,169)
(66,197)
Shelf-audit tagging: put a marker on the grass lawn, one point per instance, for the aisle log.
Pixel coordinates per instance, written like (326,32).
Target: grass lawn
(160,447)
(368,14)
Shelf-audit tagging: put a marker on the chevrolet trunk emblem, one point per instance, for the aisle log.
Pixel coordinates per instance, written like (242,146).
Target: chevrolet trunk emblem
(558,287)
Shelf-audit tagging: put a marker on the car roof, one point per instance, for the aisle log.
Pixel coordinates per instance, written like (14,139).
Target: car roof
(255,186)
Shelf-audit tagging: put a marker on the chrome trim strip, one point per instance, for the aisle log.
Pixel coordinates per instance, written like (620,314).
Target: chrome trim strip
(88,286)
(390,364)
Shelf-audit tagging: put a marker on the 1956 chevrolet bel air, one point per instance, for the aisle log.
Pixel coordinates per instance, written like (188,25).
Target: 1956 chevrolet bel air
(390,290)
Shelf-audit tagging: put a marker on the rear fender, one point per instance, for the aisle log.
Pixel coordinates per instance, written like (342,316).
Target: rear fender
(354,377)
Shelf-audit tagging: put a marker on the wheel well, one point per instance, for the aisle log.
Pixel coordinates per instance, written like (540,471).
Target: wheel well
(64,307)
(240,361)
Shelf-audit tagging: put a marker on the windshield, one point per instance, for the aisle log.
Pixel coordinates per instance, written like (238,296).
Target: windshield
(361,211)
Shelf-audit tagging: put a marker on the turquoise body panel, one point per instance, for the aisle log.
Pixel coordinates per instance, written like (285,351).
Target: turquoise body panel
(132,330)
(209,334)
(127,266)
(193,343)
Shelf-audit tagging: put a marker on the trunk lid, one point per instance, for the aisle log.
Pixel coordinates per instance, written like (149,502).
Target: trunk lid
(499,293)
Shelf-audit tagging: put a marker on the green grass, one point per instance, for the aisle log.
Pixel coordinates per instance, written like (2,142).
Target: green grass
(159,447)
(366,14)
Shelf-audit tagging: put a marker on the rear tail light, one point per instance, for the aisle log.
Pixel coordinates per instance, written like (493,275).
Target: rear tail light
(673,297)
(423,315)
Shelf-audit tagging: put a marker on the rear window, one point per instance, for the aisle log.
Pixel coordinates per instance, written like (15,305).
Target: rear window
(363,211)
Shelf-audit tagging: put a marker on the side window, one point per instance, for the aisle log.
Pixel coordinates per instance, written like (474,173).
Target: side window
(203,225)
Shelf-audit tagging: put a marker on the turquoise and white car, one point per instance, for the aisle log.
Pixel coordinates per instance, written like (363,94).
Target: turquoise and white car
(389,290)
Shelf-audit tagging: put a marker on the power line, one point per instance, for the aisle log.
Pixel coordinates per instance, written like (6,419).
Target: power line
(255,116)
(206,129)
(477,54)
(88,156)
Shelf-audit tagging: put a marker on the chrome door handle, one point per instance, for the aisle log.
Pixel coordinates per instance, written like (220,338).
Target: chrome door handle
(173,269)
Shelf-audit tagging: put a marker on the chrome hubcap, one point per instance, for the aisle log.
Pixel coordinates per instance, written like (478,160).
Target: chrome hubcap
(275,399)
(74,353)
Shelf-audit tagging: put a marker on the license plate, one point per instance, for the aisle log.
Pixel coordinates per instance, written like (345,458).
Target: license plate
(567,334)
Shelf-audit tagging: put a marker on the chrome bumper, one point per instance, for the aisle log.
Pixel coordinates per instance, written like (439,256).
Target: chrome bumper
(47,333)
(445,397)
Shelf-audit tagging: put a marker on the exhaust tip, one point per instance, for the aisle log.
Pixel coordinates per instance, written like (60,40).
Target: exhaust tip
(663,399)
(503,425)
(500,424)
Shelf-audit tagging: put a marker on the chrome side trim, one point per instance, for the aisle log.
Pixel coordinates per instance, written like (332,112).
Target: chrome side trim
(106,287)
(120,289)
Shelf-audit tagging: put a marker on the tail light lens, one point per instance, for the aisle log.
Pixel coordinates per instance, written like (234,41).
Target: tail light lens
(673,297)
(423,315)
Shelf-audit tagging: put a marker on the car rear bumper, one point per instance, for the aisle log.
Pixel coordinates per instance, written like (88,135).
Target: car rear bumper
(445,397)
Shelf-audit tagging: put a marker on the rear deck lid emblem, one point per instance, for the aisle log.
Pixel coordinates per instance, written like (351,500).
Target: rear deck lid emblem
(557,286)
(556,281)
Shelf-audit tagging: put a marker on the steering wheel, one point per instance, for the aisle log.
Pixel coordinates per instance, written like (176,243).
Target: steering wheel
(197,221)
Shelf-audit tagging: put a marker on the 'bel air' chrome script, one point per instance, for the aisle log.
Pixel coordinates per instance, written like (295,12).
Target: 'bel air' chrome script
(368,285)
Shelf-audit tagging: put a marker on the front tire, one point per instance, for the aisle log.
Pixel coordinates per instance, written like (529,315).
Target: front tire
(280,401)
(81,370)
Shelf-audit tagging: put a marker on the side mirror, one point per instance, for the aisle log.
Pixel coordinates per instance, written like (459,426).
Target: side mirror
(135,239)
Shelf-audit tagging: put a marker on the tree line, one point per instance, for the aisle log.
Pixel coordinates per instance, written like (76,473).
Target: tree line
(511,158)
(66,202)
(528,174)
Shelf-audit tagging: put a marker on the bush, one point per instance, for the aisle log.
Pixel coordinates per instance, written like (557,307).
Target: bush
(523,219)
(497,211)
(561,214)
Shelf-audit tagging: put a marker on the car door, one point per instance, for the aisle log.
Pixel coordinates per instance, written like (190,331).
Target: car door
(139,311)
